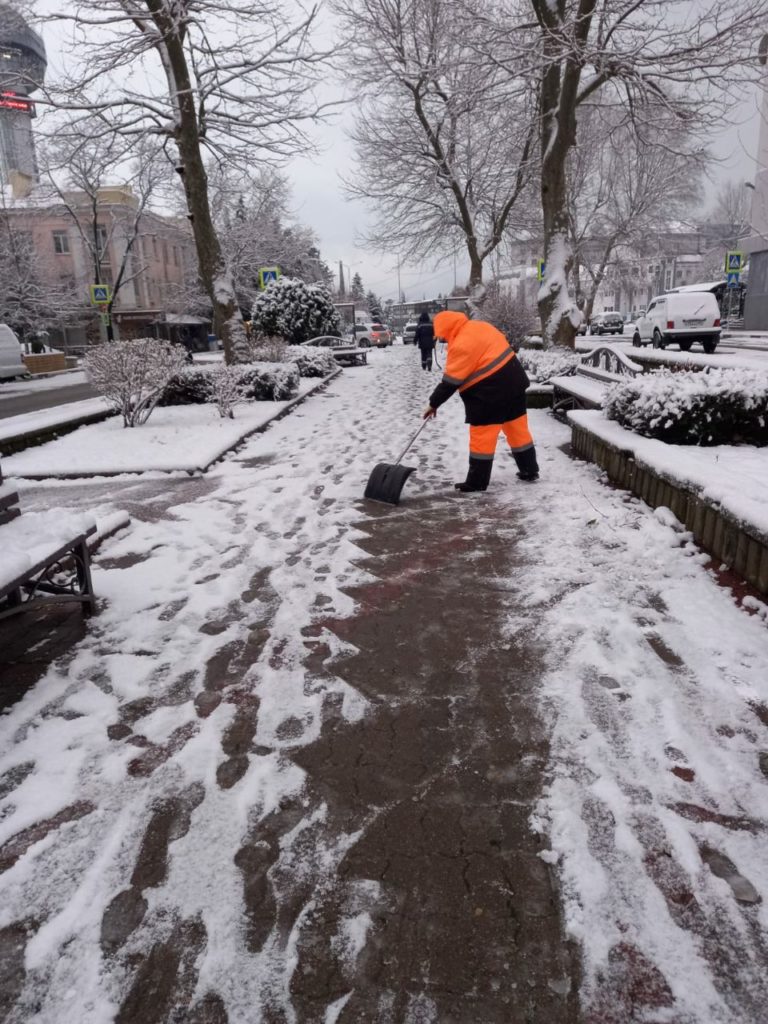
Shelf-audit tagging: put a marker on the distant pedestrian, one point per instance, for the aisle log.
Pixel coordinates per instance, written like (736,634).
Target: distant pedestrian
(482,366)
(425,339)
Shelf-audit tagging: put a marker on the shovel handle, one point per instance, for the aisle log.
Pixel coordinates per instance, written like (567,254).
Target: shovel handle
(404,452)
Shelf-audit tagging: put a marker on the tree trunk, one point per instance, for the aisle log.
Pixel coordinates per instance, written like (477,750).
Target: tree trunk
(215,276)
(555,304)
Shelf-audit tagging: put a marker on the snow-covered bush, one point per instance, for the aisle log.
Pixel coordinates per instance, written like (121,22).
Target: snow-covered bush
(541,364)
(133,375)
(311,360)
(720,406)
(269,382)
(290,309)
(268,350)
(228,389)
(258,382)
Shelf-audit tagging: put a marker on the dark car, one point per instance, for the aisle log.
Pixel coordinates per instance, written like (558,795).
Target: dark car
(606,323)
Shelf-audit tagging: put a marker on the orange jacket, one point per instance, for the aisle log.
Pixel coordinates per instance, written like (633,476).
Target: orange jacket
(482,367)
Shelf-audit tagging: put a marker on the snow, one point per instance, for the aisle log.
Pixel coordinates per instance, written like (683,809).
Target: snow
(31,539)
(58,415)
(649,665)
(184,438)
(733,477)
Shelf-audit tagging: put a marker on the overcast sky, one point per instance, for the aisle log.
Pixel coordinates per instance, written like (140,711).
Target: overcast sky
(319,200)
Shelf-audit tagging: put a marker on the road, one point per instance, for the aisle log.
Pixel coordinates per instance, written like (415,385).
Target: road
(17,397)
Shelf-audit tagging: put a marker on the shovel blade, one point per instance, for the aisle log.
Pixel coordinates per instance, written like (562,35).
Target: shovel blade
(386,482)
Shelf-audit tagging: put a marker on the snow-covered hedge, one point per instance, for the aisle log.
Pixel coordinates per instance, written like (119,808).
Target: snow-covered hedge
(311,361)
(288,308)
(540,364)
(258,382)
(719,406)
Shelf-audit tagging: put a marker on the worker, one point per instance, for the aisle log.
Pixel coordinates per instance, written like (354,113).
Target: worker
(482,366)
(424,337)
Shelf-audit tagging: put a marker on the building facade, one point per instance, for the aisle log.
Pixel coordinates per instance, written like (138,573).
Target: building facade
(146,260)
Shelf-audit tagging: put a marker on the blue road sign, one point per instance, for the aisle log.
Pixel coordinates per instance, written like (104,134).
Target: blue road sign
(734,260)
(733,278)
(267,275)
(100,294)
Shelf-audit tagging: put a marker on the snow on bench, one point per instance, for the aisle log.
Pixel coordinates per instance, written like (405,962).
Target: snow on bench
(42,553)
(586,386)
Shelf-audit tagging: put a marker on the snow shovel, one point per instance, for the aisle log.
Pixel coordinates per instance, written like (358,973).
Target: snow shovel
(387,479)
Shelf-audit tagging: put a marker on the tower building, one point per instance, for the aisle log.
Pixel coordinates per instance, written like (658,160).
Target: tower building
(22,71)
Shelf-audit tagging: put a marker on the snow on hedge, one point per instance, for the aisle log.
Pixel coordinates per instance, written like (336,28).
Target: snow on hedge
(255,382)
(311,360)
(715,407)
(541,364)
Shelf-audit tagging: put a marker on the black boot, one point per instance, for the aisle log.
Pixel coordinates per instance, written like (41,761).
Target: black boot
(478,476)
(527,466)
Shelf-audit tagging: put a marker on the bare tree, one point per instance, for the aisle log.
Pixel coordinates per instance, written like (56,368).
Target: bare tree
(84,161)
(32,297)
(134,374)
(444,145)
(238,80)
(633,55)
(251,212)
(623,189)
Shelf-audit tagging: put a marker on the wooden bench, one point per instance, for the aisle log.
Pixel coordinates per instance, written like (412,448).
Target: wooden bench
(43,555)
(350,356)
(586,385)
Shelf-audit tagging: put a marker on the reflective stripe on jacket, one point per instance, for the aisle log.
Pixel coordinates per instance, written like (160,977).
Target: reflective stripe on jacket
(482,367)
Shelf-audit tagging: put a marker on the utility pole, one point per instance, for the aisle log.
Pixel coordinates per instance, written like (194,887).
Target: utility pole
(342,291)
(399,289)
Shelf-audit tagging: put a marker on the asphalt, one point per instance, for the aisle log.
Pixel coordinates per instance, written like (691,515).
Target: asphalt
(34,401)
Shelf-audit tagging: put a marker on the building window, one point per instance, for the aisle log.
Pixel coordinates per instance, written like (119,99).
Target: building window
(102,241)
(154,245)
(175,256)
(61,243)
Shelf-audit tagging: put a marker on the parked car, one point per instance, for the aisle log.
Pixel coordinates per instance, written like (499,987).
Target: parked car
(329,341)
(11,363)
(684,317)
(409,333)
(610,322)
(372,335)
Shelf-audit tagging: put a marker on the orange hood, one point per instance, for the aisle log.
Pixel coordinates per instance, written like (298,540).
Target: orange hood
(448,324)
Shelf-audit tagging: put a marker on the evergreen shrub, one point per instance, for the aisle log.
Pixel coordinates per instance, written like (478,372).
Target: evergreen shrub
(714,407)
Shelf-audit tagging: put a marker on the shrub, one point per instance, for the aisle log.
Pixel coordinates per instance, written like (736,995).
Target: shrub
(271,382)
(228,389)
(257,382)
(290,309)
(311,361)
(134,375)
(268,350)
(541,364)
(715,407)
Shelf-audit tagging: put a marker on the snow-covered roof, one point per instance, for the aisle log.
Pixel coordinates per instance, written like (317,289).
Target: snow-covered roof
(182,318)
(706,286)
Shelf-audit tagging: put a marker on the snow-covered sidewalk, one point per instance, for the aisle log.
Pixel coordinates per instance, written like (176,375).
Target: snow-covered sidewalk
(287,774)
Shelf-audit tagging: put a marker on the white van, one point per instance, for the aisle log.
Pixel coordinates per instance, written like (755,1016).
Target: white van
(683,317)
(11,364)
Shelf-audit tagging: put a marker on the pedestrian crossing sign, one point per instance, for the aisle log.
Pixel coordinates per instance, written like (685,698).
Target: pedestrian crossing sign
(733,278)
(267,275)
(101,294)
(734,260)
(541,267)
